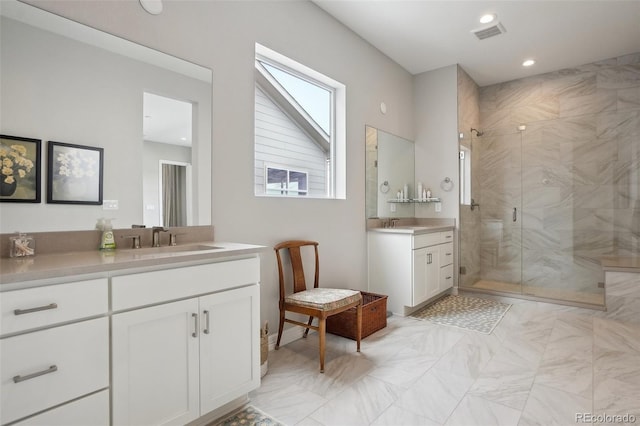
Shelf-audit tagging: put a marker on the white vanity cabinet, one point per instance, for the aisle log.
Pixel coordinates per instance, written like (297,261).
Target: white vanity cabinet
(185,341)
(410,268)
(54,352)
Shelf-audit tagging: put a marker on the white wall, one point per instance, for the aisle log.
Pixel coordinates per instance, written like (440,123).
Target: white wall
(222,35)
(436,138)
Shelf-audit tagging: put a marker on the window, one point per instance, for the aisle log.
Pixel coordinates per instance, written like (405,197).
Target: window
(299,130)
(286,182)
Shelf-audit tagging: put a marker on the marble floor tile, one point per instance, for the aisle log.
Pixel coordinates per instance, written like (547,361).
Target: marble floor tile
(469,355)
(405,367)
(504,383)
(617,382)
(616,335)
(289,404)
(435,395)
(359,404)
(548,406)
(476,411)
(542,365)
(394,416)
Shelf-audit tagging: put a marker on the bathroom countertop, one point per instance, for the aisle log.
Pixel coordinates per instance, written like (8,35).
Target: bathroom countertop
(413,229)
(45,266)
(620,264)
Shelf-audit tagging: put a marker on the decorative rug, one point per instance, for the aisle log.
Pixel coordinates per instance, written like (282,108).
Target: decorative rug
(249,416)
(481,315)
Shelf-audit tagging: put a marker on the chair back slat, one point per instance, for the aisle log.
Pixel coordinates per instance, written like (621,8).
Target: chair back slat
(299,283)
(297,268)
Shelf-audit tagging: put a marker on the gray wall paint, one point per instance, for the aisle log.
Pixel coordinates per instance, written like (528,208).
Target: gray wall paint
(221,35)
(67,91)
(436,124)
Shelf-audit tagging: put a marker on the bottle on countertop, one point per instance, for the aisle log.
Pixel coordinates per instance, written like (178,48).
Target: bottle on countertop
(107,240)
(406,192)
(428,193)
(419,194)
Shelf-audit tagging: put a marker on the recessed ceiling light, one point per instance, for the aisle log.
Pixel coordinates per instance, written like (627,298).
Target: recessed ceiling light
(528,63)
(489,17)
(183,139)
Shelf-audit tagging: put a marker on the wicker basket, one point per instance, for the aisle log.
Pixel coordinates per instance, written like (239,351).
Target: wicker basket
(374,317)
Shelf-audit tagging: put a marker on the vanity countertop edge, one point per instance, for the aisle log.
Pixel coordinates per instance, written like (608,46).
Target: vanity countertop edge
(414,230)
(14,271)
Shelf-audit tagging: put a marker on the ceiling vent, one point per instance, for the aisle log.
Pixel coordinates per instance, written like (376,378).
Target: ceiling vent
(491,31)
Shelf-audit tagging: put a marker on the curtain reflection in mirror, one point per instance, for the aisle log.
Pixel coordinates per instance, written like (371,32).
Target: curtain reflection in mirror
(174,195)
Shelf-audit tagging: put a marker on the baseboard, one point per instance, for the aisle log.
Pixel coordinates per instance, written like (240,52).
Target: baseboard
(288,335)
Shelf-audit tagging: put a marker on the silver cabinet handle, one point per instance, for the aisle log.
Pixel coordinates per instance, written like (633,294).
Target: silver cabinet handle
(515,214)
(429,258)
(37,309)
(18,378)
(195,330)
(206,326)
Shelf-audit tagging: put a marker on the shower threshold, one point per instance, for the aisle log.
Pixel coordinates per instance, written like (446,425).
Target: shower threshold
(552,295)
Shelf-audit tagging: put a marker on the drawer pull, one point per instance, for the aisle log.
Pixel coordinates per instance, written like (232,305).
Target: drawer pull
(448,236)
(206,326)
(18,378)
(37,309)
(448,278)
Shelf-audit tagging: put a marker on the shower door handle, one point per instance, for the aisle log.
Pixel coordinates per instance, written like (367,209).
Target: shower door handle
(515,214)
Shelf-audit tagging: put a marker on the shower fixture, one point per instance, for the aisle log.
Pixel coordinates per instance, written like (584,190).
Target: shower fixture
(478,132)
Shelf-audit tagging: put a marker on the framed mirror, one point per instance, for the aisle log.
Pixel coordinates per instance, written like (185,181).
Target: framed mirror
(390,165)
(66,82)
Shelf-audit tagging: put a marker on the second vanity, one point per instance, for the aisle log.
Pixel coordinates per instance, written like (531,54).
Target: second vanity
(412,264)
(133,337)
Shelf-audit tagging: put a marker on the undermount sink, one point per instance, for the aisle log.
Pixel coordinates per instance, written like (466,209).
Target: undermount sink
(168,250)
(177,249)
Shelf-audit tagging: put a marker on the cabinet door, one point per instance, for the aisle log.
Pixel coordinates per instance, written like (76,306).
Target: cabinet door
(155,365)
(426,273)
(420,276)
(229,346)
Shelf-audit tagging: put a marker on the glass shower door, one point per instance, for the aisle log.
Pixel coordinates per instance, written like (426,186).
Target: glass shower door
(500,199)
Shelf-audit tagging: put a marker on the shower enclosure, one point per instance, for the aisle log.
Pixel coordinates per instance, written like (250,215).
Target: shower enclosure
(554,176)
(528,227)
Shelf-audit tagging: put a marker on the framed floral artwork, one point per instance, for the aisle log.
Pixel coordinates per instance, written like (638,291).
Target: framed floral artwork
(74,174)
(20,173)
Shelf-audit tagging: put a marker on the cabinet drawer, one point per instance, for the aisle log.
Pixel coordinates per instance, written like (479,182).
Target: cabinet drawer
(49,367)
(446,237)
(446,254)
(425,240)
(130,291)
(92,410)
(446,277)
(43,306)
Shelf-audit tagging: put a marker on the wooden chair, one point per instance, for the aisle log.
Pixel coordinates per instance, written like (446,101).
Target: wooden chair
(316,302)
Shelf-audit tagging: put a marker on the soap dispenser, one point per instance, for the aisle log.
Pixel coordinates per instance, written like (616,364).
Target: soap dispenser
(107,240)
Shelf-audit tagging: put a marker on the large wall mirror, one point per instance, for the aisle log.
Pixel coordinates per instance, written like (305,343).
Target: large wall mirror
(390,165)
(150,112)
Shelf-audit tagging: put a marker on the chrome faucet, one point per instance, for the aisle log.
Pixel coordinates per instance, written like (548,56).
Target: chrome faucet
(155,241)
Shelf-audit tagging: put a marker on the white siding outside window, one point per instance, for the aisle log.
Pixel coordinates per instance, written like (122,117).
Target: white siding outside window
(279,141)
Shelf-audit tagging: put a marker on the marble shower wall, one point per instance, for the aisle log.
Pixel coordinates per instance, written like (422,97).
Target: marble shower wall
(469,117)
(573,173)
